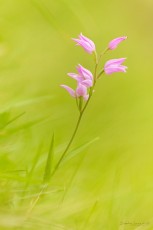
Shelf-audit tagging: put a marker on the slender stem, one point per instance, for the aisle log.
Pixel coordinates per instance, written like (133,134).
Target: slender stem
(97,60)
(90,95)
(100,73)
(96,66)
(100,56)
(70,142)
(77,103)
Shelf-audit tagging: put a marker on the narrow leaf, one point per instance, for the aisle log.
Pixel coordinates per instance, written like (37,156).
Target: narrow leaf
(14,119)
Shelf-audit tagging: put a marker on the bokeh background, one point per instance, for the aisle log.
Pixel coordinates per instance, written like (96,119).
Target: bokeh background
(108,184)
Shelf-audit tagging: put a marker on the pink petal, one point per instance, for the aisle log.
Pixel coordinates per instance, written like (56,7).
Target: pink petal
(118,61)
(92,45)
(87,83)
(115,42)
(84,72)
(73,75)
(69,90)
(86,47)
(78,41)
(86,43)
(81,90)
(114,69)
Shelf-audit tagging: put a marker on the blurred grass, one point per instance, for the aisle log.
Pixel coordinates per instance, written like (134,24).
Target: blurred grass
(110,181)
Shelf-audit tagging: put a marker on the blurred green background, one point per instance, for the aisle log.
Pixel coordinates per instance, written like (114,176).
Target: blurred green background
(108,185)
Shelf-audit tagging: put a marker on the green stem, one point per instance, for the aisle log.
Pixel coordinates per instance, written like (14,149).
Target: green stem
(100,73)
(81,112)
(73,135)
(96,66)
(100,56)
(68,146)
(97,60)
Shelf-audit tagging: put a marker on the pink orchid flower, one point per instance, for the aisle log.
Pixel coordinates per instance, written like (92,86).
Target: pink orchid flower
(81,91)
(115,65)
(84,76)
(115,42)
(87,44)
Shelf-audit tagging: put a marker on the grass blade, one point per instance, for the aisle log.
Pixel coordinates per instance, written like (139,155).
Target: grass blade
(14,119)
(48,168)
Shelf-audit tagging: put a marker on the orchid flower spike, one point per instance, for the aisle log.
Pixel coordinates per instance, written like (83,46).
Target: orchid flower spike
(84,76)
(115,42)
(81,91)
(87,44)
(115,65)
